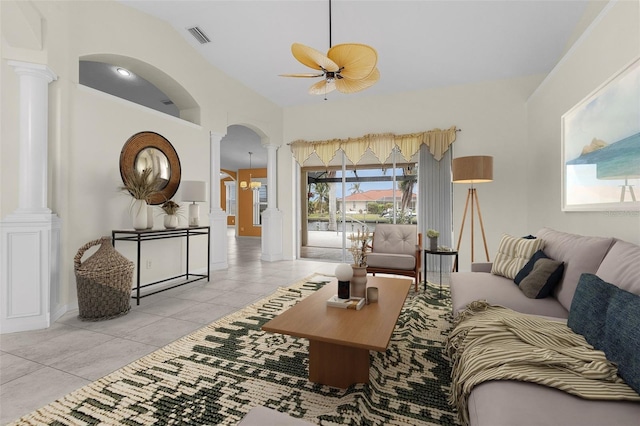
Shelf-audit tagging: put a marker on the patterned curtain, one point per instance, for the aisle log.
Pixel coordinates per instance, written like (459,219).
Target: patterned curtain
(381,145)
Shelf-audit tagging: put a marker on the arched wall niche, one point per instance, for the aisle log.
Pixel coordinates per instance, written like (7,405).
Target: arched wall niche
(188,108)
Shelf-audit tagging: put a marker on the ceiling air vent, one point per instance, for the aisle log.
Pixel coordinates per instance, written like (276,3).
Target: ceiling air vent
(199,35)
(167,102)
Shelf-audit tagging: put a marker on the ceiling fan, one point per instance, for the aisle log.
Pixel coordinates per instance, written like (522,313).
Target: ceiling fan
(349,67)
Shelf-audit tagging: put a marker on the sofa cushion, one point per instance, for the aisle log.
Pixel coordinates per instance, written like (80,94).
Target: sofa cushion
(398,239)
(621,341)
(513,254)
(509,403)
(467,287)
(579,254)
(588,312)
(391,261)
(621,266)
(544,276)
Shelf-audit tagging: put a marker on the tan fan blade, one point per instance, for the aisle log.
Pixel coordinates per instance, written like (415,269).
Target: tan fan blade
(322,87)
(356,60)
(306,75)
(312,58)
(346,85)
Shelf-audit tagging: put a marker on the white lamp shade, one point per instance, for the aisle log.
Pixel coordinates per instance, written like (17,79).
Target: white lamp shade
(194,190)
(344,272)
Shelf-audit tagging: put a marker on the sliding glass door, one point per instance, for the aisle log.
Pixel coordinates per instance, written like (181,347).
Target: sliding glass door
(343,200)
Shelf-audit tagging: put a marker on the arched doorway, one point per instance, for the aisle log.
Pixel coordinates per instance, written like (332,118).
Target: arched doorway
(251,200)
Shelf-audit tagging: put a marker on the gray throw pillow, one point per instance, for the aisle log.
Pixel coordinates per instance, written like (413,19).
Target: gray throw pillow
(542,278)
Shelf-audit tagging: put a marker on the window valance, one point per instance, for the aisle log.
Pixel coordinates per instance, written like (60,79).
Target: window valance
(381,145)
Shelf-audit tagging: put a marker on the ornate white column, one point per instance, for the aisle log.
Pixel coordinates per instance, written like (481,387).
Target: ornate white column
(271,217)
(217,216)
(30,236)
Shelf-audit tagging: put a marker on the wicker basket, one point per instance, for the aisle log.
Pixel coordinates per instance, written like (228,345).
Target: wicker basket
(103,282)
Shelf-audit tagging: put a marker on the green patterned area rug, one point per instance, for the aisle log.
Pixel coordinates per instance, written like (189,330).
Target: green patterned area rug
(218,373)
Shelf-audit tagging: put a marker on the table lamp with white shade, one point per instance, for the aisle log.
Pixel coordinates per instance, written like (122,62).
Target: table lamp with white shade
(344,273)
(194,191)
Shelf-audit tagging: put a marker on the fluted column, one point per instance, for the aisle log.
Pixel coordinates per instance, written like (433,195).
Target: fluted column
(271,217)
(30,236)
(34,101)
(217,216)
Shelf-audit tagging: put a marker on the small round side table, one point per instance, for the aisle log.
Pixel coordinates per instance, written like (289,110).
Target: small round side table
(439,253)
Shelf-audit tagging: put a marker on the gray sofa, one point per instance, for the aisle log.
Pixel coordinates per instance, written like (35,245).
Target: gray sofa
(509,403)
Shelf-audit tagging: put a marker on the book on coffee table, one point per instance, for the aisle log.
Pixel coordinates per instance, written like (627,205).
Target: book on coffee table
(352,303)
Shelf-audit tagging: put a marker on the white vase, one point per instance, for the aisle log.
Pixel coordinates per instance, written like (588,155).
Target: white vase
(149,217)
(171,221)
(139,214)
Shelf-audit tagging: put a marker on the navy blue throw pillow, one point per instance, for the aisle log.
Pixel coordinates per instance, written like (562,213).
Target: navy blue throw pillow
(544,276)
(541,283)
(622,336)
(528,267)
(588,313)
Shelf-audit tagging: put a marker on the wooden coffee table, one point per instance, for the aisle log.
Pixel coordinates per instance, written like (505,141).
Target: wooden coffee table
(340,339)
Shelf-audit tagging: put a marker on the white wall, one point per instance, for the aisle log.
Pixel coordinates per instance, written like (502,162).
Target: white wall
(87,128)
(492,117)
(607,46)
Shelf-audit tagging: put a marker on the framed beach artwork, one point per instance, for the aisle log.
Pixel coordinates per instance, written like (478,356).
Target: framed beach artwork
(601,147)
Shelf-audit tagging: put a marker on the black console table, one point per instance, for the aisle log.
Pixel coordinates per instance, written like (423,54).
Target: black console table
(162,234)
(439,253)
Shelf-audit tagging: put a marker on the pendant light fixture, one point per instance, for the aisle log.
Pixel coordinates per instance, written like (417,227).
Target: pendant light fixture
(253,185)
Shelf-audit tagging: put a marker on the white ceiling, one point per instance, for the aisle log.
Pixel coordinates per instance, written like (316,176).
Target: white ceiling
(421,43)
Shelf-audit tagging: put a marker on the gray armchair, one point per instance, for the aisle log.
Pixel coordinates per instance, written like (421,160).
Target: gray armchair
(396,249)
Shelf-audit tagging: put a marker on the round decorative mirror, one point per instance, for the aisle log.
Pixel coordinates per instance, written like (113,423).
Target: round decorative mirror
(146,150)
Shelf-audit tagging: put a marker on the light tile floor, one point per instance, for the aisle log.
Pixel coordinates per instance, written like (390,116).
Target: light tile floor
(37,367)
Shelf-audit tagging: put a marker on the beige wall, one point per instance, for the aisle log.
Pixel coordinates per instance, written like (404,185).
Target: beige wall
(88,128)
(605,48)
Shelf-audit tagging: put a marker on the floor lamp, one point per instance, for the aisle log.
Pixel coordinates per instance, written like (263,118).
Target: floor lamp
(473,169)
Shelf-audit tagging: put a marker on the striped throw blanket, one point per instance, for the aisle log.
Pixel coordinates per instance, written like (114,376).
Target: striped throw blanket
(495,343)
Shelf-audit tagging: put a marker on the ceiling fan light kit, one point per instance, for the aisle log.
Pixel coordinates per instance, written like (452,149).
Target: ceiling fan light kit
(349,67)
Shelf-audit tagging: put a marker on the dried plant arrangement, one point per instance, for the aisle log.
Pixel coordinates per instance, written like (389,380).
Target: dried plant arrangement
(171,207)
(141,185)
(359,245)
